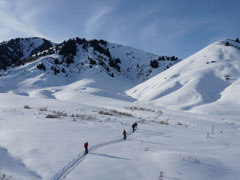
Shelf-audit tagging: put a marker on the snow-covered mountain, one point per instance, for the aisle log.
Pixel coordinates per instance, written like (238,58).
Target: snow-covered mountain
(92,67)
(77,56)
(71,94)
(207,81)
(18,51)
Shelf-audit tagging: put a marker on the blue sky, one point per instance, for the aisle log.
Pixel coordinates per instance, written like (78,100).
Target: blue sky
(163,27)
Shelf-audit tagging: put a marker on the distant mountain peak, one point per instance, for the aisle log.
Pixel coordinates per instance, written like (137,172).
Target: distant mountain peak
(14,51)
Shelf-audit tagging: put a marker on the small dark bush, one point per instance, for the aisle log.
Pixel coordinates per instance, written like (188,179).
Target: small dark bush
(115,65)
(173,58)
(121,113)
(154,64)
(52,116)
(117,61)
(91,61)
(27,107)
(41,67)
(105,113)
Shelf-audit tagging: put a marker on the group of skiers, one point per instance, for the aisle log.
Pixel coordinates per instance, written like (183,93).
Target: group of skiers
(134,127)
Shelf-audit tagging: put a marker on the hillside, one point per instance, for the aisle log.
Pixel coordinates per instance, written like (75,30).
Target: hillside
(113,59)
(205,82)
(79,66)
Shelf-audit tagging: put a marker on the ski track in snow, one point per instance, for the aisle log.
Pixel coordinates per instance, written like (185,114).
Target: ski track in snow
(72,164)
(61,174)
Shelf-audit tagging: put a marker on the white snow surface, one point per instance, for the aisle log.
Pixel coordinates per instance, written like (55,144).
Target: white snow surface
(170,142)
(206,82)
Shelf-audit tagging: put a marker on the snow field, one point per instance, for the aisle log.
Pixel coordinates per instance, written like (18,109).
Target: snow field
(179,150)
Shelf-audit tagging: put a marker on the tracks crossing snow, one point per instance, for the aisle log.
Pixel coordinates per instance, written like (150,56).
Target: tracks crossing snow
(72,164)
(61,174)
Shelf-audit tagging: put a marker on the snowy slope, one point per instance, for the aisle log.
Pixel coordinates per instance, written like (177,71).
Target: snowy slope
(28,80)
(135,63)
(207,81)
(78,67)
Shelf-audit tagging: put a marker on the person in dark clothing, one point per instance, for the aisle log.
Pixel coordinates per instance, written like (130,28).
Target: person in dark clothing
(124,134)
(133,127)
(86,147)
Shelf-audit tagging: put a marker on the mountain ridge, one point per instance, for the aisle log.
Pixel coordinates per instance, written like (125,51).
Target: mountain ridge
(114,58)
(96,67)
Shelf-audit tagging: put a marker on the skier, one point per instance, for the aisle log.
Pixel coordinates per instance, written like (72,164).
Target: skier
(124,134)
(86,147)
(135,126)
